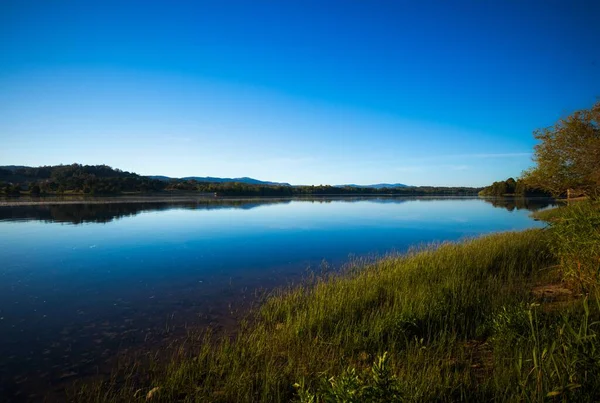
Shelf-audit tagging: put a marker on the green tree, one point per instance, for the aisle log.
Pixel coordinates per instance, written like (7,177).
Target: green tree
(511,185)
(568,155)
(14,190)
(35,190)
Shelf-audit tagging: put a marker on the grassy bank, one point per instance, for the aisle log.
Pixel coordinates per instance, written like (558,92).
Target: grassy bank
(487,319)
(575,240)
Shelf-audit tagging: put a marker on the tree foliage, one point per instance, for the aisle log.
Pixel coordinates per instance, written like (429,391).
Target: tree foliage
(76,178)
(512,187)
(568,155)
(245,189)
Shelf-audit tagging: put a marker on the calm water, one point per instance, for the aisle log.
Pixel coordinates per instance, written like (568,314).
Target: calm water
(80,282)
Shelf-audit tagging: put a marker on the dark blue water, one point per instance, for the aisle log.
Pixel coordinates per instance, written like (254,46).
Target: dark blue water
(80,282)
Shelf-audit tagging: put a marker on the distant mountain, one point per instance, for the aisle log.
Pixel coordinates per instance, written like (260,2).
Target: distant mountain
(379,186)
(249,181)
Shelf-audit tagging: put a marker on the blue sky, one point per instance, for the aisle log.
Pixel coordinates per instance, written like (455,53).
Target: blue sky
(306,92)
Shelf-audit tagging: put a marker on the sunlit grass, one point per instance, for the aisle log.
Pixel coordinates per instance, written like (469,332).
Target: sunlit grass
(576,241)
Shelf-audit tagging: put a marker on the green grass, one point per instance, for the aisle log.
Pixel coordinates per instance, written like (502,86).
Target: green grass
(575,241)
(452,322)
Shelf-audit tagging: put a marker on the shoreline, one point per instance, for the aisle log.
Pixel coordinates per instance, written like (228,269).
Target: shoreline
(162,199)
(454,317)
(412,327)
(459,291)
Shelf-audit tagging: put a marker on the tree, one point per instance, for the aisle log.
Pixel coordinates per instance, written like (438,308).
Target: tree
(35,190)
(568,155)
(14,190)
(511,185)
(500,188)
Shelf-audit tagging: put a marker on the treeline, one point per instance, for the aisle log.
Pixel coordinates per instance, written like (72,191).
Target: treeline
(512,187)
(244,189)
(74,178)
(104,180)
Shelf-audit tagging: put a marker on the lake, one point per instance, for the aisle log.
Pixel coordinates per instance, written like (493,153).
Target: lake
(81,282)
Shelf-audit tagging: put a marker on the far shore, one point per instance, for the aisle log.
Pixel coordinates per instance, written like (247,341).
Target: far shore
(190,198)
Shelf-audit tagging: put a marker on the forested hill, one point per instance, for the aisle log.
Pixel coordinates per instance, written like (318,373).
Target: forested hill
(102,179)
(74,178)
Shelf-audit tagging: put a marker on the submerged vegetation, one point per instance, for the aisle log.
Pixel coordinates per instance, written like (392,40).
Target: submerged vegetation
(506,317)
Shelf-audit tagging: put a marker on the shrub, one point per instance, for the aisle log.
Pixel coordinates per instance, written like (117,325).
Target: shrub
(576,241)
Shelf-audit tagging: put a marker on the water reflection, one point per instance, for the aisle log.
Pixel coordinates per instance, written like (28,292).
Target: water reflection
(80,213)
(105,211)
(520,203)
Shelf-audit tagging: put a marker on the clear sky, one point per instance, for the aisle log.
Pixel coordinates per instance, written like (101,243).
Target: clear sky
(306,92)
